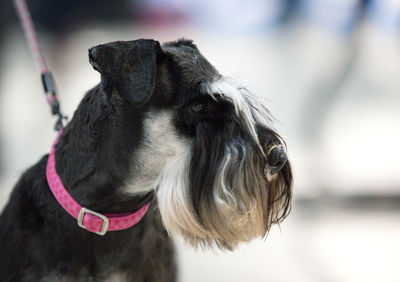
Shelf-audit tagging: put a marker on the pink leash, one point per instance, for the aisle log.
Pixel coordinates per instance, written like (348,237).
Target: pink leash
(47,80)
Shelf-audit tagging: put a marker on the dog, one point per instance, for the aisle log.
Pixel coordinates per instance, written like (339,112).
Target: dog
(165,142)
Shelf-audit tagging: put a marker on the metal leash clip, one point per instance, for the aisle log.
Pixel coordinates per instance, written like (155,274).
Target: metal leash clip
(51,97)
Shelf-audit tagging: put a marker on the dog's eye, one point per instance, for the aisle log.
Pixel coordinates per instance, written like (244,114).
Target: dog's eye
(199,108)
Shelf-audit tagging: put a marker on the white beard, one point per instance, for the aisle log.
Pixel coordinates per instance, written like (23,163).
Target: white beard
(239,210)
(242,206)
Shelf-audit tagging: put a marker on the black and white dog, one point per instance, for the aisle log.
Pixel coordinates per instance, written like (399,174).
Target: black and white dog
(162,127)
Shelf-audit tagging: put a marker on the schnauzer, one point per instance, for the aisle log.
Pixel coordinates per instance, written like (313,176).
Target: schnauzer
(163,130)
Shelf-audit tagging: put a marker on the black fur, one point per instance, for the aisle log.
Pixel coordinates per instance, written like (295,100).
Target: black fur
(39,239)
(98,152)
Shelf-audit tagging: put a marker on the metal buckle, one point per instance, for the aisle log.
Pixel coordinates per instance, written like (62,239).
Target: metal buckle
(82,213)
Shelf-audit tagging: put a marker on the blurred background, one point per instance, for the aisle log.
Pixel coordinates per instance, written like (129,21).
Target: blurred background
(329,71)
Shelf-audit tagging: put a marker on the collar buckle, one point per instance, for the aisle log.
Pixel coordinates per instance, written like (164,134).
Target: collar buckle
(104,226)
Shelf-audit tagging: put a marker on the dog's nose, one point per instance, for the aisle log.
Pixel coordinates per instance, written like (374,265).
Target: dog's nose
(276,159)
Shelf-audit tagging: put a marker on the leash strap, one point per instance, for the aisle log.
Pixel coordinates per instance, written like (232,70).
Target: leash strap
(47,80)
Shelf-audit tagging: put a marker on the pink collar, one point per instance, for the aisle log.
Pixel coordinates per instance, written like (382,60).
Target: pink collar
(86,218)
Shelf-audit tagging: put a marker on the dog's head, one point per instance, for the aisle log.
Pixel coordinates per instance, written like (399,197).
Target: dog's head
(203,142)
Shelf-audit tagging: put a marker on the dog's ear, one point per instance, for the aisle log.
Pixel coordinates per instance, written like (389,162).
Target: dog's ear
(129,66)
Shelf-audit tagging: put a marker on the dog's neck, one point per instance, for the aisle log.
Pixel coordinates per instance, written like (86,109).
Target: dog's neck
(91,159)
